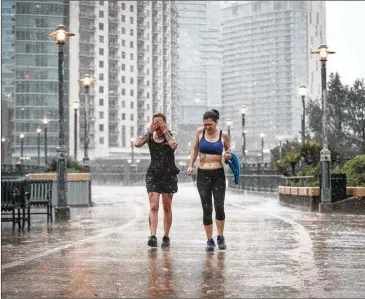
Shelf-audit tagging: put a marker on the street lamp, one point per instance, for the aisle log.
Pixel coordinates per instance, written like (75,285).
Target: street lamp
(3,150)
(86,81)
(39,130)
(243,114)
(280,148)
(62,212)
(75,105)
(45,122)
(132,150)
(303,92)
(229,124)
(325,155)
(262,135)
(21,136)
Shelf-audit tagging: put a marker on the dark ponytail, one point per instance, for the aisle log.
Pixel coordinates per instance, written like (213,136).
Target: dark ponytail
(212,114)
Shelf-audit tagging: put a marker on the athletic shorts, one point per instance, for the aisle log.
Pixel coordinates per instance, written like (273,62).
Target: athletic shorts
(164,184)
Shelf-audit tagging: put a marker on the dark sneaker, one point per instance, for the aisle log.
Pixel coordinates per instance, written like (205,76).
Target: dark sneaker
(152,241)
(165,241)
(210,245)
(221,243)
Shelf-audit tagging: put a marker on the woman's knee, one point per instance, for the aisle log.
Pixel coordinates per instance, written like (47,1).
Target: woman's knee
(220,214)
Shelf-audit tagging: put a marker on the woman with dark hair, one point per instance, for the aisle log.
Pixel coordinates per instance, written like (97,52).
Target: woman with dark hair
(211,144)
(161,177)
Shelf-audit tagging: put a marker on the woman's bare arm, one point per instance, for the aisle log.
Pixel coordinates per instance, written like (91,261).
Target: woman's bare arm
(195,150)
(141,140)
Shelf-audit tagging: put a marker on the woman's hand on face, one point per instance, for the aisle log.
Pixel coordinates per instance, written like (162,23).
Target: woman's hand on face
(153,127)
(163,127)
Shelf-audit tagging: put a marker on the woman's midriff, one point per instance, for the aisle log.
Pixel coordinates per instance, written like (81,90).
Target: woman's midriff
(208,161)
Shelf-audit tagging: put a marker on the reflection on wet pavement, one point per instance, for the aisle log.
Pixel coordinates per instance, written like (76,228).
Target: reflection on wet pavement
(273,251)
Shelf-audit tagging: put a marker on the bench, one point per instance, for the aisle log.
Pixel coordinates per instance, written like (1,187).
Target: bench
(14,200)
(41,196)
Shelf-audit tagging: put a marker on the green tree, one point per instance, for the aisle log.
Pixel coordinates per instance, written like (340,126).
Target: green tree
(355,114)
(286,147)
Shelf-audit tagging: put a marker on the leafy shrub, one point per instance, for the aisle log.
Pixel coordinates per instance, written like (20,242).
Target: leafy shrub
(355,171)
(73,166)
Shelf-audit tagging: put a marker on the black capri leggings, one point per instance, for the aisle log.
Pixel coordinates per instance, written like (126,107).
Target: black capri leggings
(212,181)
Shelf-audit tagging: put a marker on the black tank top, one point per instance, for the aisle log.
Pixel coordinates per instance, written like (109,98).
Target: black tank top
(162,158)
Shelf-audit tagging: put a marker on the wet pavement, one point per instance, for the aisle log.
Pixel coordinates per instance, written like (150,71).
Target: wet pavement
(273,251)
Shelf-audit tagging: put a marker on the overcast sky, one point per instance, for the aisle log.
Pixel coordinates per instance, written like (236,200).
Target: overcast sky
(346,36)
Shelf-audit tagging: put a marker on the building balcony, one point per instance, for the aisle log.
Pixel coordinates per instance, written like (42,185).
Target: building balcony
(87,54)
(90,41)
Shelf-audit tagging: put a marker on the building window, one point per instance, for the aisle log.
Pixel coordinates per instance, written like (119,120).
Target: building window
(123,91)
(148,107)
(131,20)
(132,117)
(132,68)
(101,39)
(101,26)
(123,79)
(132,131)
(101,102)
(123,18)
(123,6)
(101,115)
(131,81)
(123,30)
(131,32)
(148,82)
(131,44)
(101,51)
(131,8)
(123,116)
(101,89)
(148,95)
(131,92)
(101,140)
(101,128)
(131,56)
(132,105)
(101,64)
(123,54)
(101,76)
(101,14)
(123,42)
(123,67)
(123,104)
(101,2)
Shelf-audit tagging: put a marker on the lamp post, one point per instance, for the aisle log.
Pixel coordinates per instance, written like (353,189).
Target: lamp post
(21,136)
(45,122)
(229,124)
(243,114)
(75,105)
(3,140)
(132,150)
(262,135)
(280,149)
(303,92)
(325,155)
(86,81)
(39,130)
(62,211)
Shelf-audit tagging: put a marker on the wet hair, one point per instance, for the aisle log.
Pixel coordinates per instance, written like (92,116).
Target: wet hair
(213,114)
(160,115)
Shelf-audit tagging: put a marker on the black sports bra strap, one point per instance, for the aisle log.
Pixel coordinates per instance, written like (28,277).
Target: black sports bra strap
(203,133)
(220,135)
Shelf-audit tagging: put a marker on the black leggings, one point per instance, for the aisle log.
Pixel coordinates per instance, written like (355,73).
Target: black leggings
(212,181)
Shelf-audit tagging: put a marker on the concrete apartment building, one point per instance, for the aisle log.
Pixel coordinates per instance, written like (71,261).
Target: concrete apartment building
(266,57)
(200,66)
(128,47)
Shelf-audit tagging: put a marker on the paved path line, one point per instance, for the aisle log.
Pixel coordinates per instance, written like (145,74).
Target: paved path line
(103,232)
(305,251)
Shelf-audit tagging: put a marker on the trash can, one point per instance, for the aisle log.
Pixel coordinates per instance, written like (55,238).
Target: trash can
(338,186)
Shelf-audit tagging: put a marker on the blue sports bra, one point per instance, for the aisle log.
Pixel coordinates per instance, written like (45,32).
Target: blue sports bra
(212,148)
